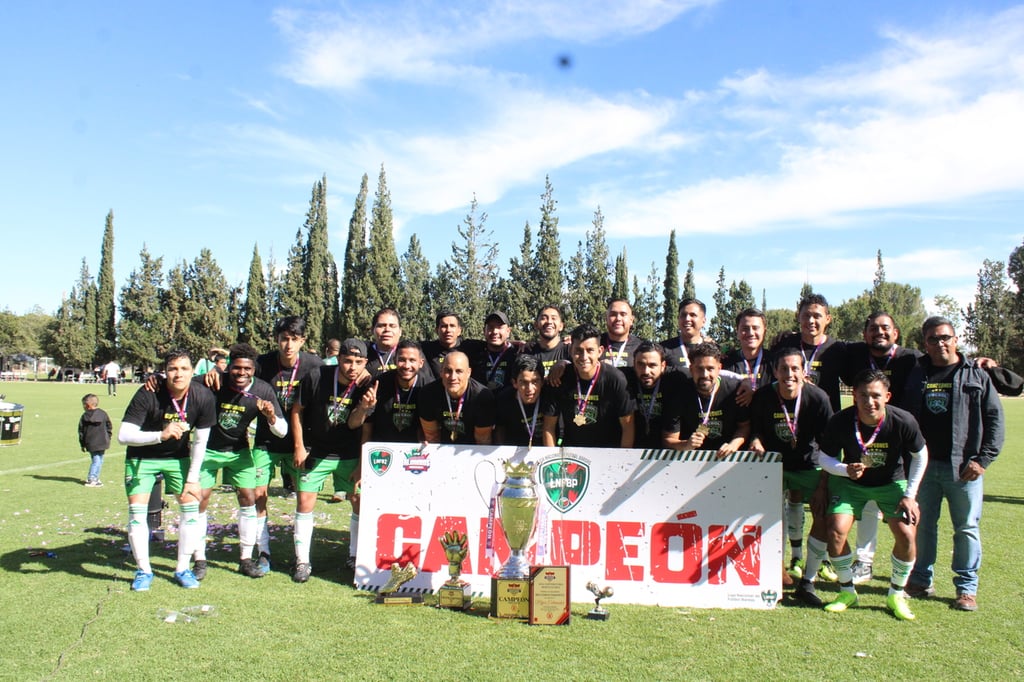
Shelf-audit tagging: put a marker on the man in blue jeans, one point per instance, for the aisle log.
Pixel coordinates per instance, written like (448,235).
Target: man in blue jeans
(961,417)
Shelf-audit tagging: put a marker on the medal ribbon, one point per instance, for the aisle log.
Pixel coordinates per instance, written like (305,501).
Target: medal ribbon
(495,361)
(808,364)
(286,392)
(791,424)
(385,362)
(458,413)
(757,367)
(860,439)
(348,389)
(533,424)
(245,392)
(700,406)
(581,405)
(181,409)
(890,354)
(649,408)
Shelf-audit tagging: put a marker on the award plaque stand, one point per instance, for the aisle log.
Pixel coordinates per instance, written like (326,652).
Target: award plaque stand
(398,600)
(510,598)
(458,597)
(549,595)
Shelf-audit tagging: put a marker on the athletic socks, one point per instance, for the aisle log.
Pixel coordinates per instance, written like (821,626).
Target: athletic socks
(817,552)
(189,534)
(795,528)
(844,569)
(247,530)
(138,535)
(867,533)
(900,575)
(353,526)
(200,549)
(262,534)
(303,536)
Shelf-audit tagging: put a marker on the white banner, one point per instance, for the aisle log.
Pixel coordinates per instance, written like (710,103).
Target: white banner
(659,526)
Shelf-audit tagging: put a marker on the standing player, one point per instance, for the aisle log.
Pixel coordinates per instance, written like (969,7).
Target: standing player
(458,408)
(750,361)
(387,332)
(650,386)
(549,347)
(448,326)
(394,418)
(327,422)
(875,440)
(492,365)
(156,428)
(823,355)
(519,420)
(619,342)
(692,317)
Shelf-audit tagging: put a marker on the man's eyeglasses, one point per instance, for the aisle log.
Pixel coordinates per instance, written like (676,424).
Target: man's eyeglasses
(943,338)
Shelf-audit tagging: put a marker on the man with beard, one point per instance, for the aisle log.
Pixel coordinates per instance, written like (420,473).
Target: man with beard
(591,399)
(492,365)
(704,414)
(518,414)
(394,418)
(457,409)
(649,386)
(549,347)
(448,326)
(618,341)
(789,417)
(692,317)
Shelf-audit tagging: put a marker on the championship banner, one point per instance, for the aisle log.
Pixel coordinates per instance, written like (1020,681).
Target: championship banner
(661,527)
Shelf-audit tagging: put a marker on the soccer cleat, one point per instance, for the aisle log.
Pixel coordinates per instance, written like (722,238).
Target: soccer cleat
(142,581)
(264,563)
(199,568)
(861,572)
(899,606)
(915,591)
(93,483)
(843,601)
(339,496)
(250,568)
(302,573)
(796,568)
(827,573)
(186,579)
(965,602)
(806,593)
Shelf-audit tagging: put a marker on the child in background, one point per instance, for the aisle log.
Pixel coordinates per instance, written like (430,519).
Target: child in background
(94,429)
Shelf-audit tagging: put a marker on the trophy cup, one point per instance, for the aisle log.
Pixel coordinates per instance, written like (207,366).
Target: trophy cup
(399,576)
(455,593)
(599,612)
(517,506)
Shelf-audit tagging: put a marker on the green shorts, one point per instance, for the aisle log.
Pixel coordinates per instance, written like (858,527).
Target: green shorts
(312,480)
(804,482)
(265,464)
(140,474)
(237,465)
(846,497)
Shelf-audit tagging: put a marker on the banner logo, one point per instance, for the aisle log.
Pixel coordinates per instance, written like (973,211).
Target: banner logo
(565,481)
(380,461)
(417,462)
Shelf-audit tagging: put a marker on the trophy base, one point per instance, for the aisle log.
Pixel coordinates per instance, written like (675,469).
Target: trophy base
(510,598)
(457,597)
(398,600)
(598,614)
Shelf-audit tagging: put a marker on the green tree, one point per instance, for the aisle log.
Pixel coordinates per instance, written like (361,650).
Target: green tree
(255,326)
(354,320)
(316,268)
(74,340)
(779,320)
(689,285)
(719,327)
(546,275)
(464,282)
(576,288)
(949,307)
(174,317)
(620,287)
(670,304)
(986,318)
(293,287)
(382,269)
(646,304)
(106,329)
(204,319)
(414,302)
(139,328)
(598,286)
(512,294)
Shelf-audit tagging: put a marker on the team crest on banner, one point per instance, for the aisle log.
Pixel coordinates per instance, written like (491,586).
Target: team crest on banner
(380,461)
(565,481)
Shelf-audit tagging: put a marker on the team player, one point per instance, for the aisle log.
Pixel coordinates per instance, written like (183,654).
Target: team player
(156,428)
(692,317)
(458,408)
(619,342)
(492,364)
(549,347)
(704,414)
(387,332)
(649,386)
(242,397)
(789,417)
(591,399)
(874,440)
(519,419)
(823,355)
(749,361)
(448,327)
(394,418)
(327,420)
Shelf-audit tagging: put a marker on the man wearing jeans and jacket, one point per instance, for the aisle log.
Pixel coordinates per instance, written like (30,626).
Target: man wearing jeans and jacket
(962,420)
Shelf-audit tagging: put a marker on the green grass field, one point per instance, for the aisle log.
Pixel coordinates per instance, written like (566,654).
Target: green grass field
(72,616)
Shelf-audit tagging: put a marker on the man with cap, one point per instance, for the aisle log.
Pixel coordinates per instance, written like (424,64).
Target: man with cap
(493,364)
(458,409)
(327,422)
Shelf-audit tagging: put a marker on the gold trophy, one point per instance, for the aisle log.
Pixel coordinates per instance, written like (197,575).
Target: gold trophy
(455,593)
(399,576)
(517,506)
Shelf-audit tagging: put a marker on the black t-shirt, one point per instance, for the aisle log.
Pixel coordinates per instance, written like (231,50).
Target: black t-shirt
(677,353)
(620,353)
(768,422)
(605,404)
(494,369)
(379,360)
(285,383)
(435,354)
(822,364)
(235,410)
(761,367)
(896,365)
(394,419)
(935,415)
(888,455)
(516,419)
(650,406)
(153,411)
(548,358)
(687,410)
(477,411)
(326,406)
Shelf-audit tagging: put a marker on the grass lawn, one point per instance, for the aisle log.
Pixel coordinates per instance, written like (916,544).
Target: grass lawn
(71,615)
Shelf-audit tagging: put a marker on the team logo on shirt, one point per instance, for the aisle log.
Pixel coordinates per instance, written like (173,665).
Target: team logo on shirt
(565,481)
(380,461)
(936,400)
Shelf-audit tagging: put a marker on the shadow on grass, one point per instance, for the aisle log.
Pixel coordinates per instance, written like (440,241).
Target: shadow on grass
(1004,499)
(59,479)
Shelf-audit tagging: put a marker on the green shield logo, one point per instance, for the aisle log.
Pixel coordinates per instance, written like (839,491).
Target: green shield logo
(380,461)
(565,481)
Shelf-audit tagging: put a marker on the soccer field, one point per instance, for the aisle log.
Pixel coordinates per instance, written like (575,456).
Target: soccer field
(67,612)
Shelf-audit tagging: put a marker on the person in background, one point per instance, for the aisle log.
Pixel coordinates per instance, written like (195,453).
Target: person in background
(94,431)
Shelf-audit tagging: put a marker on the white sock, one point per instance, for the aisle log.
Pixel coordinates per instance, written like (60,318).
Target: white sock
(138,535)
(817,551)
(353,525)
(248,527)
(200,549)
(262,534)
(303,536)
(900,574)
(795,528)
(189,534)
(867,533)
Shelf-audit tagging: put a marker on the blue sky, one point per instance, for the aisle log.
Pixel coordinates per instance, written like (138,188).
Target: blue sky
(784,141)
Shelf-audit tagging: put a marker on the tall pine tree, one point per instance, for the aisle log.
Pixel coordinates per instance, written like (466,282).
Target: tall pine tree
(546,275)
(317,268)
(464,282)
(597,262)
(670,305)
(106,329)
(354,319)
(293,286)
(620,287)
(255,324)
(689,285)
(382,269)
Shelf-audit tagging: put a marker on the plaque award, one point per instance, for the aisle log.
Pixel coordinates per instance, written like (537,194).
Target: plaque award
(517,506)
(399,576)
(599,612)
(455,593)
(549,596)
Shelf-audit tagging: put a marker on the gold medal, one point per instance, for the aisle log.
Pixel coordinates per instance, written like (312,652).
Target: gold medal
(579,420)
(453,436)
(703,429)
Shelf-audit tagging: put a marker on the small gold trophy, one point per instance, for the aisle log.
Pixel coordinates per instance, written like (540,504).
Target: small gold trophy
(599,612)
(399,576)
(455,593)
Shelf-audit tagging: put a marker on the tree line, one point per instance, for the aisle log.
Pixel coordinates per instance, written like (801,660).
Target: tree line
(193,306)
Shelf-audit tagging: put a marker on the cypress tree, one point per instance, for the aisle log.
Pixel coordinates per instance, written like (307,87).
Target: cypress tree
(598,287)
(546,279)
(670,307)
(316,267)
(255,326)
(106,329)
(414,302)
(620,288)
(354,320)
(689,285)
